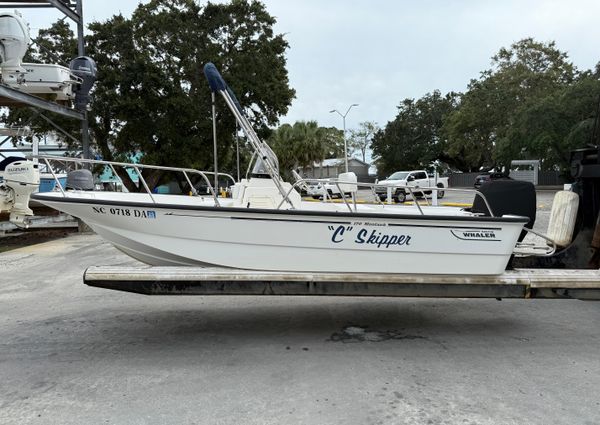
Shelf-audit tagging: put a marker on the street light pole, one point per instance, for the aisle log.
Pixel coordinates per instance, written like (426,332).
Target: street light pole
(344,122)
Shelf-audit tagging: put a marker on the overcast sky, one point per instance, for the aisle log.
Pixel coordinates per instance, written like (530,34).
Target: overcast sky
(377,52)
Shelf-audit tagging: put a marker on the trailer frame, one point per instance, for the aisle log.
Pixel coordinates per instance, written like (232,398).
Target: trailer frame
(520,283)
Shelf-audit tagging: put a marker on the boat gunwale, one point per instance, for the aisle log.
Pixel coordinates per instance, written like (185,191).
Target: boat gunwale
(346,214)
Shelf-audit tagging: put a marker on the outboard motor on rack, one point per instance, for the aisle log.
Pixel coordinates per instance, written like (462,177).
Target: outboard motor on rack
(85,68)
(14,42)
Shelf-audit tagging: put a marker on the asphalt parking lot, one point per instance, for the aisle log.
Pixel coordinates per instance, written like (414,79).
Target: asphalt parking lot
(72,354)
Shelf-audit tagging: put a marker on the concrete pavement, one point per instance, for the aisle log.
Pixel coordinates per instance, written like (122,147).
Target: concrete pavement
(71,354)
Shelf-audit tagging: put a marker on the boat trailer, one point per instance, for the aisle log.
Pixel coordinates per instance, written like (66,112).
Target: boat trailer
(519,283)
(571,273)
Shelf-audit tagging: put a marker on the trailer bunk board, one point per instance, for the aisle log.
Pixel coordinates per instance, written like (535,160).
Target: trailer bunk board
(520,283)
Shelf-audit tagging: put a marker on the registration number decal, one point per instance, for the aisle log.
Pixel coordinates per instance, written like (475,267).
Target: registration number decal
(125,212)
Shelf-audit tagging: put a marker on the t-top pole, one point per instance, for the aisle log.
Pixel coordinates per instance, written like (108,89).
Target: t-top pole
(214,119)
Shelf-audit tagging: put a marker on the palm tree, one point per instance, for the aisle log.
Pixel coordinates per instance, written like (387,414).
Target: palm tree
(304,143)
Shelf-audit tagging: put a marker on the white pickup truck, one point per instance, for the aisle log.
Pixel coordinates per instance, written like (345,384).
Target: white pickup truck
(415,178)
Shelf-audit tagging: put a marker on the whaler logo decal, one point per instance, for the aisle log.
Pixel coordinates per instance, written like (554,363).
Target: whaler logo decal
(475,235)
(366,237)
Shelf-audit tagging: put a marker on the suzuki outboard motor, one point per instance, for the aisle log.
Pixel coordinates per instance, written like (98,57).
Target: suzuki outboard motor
(20,180)
(6,162)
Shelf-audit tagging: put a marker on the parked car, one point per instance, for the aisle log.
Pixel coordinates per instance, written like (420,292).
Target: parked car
(486,177)
(416,178)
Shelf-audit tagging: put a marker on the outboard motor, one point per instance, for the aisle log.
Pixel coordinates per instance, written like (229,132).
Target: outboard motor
(508,197)
(20,180)
(80,180)
(14,42)
(6,162)
(85,68)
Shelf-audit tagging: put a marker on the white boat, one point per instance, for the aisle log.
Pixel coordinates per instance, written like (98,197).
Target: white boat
(184,230)
(266,225)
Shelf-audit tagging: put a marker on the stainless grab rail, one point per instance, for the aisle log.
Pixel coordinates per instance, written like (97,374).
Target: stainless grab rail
(137,167)
(529,249)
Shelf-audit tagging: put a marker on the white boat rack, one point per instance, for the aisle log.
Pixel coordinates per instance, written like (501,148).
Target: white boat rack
(520,283)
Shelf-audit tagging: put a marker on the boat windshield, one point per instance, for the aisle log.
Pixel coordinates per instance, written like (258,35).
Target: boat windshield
(399,175)
(266,154)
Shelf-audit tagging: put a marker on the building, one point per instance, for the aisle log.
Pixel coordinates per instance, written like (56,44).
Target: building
(331,168)
(526,170)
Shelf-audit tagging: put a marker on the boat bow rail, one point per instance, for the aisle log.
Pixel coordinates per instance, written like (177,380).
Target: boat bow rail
(78,163)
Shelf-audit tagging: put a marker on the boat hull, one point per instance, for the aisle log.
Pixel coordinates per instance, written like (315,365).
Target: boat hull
(166,235)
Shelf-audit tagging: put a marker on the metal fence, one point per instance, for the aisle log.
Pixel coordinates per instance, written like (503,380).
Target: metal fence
(462,179)
(551,178)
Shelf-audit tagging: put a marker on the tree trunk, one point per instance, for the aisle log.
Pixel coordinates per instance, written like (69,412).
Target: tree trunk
(126,179)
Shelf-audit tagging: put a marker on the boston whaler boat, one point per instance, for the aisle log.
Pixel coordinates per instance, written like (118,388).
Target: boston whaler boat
(266,225)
